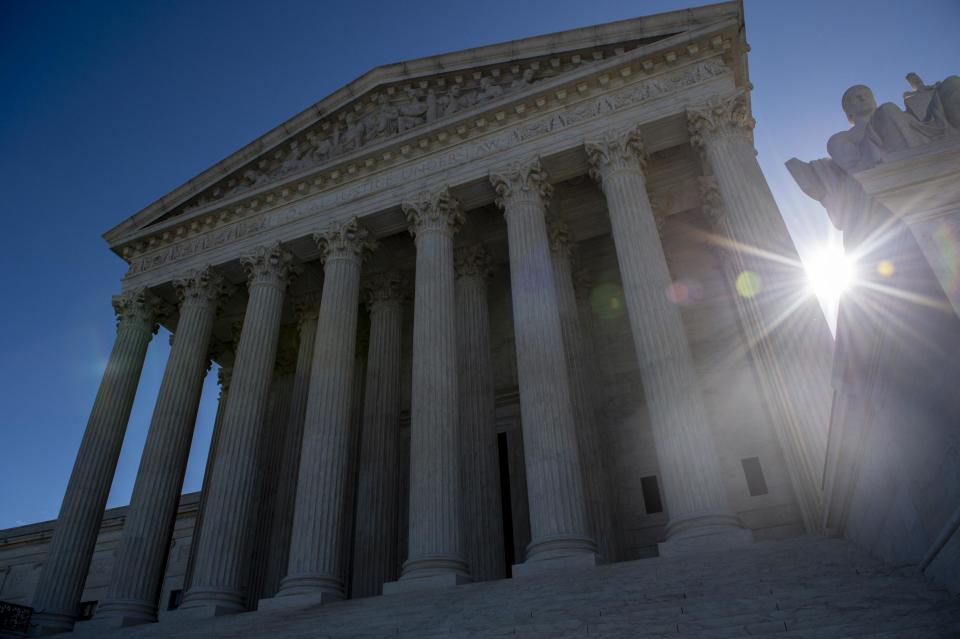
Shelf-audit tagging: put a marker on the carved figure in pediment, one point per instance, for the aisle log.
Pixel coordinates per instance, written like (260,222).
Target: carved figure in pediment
(322,146)
(452,102)
(489,90)
(297,158)
(386,118)
(353,133)
(413,112)
(525,80)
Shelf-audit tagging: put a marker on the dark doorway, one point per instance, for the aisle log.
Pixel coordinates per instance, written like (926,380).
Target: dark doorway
(506,504)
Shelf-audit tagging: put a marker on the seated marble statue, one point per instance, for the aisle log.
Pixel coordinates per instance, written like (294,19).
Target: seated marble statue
(877,131)
(933,112)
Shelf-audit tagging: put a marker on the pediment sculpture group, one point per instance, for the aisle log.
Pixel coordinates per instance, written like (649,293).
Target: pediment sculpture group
(392,115)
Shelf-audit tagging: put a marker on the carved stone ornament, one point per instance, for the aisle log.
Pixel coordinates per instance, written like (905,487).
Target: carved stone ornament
(521,180)
(307,306)
(437,211)
(616,151)
(711,201)
(139,308)
(719,117)
(472,261)
(269,265)
(345,240)
(203,286)
(558,232)
(388,287)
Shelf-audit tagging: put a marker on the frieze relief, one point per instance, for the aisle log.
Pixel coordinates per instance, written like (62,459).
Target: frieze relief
(644,90)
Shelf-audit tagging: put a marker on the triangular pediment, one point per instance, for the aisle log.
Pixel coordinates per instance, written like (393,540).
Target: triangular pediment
(392,102)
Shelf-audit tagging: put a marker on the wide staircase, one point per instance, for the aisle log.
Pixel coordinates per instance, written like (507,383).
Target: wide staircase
(804,587)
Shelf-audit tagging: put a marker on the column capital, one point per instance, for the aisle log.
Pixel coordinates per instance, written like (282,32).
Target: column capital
(386,287)
(203,286)
(472,261)
(269,265)
(558,231)
(711,200)
(436,211)
(139,308)
(306,307)
(348,239)
(615,151)
(521,180)
(718,117)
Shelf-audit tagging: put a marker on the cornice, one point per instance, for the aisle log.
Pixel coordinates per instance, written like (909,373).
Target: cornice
(646,61)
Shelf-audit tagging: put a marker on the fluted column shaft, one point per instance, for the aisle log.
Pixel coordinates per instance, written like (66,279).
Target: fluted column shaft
(591,459)
(786,329)
(558,519)
(479,461)
(64,573)
(223,378)
(375,548)
(307,310)
(142,554)
(223,551)
(434,525)
(692,480)
(314,567)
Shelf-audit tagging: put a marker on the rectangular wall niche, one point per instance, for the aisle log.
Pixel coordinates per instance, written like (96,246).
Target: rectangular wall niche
(651,494)
(756,483)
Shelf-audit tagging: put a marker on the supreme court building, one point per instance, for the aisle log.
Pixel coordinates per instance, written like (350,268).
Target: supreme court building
(502,312)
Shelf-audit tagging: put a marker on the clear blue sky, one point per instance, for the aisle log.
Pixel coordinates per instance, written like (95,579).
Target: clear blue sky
(105,106)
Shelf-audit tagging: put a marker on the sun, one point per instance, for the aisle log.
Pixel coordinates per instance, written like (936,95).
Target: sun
(830,274)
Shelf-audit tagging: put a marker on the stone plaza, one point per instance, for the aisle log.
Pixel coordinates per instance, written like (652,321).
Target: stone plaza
(501,315)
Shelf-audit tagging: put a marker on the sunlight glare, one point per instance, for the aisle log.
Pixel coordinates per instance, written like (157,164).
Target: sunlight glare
(830,273)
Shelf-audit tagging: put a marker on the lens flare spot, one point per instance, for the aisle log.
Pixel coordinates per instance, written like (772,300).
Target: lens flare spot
(885,268)
(607,301)
(748,284)
(678,293)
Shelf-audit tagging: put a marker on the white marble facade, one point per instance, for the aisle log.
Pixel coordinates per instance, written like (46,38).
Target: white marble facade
(469,311)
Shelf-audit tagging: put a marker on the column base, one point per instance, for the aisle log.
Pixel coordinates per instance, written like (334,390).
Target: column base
(554,565)
(704,533)
(313,585)
(557,554)
(432,582)
(304,600)
(121,614)
(202,604)
(51,623)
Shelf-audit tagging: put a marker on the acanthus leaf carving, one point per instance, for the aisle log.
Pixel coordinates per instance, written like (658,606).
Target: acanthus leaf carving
(522,180)
(203,286)
(433,211)
(616,151)
(269,265)
(140,308)
(386,287)
(719,117)
(472,261)
(347,239)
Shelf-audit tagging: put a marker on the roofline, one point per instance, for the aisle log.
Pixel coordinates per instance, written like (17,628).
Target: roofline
(643,26)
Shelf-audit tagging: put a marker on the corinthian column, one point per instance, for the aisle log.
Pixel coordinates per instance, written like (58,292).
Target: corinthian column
(574,348)
(307,308)
(314,571)
(57,597)
(479,463)
(375,547)
(223,547)
(786,329)
(692,480)
(558,518)
(435,556)
(142,554)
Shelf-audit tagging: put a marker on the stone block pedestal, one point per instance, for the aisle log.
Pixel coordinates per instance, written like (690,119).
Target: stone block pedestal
(298,601)
(425,583)
(705,540)
(554,565)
